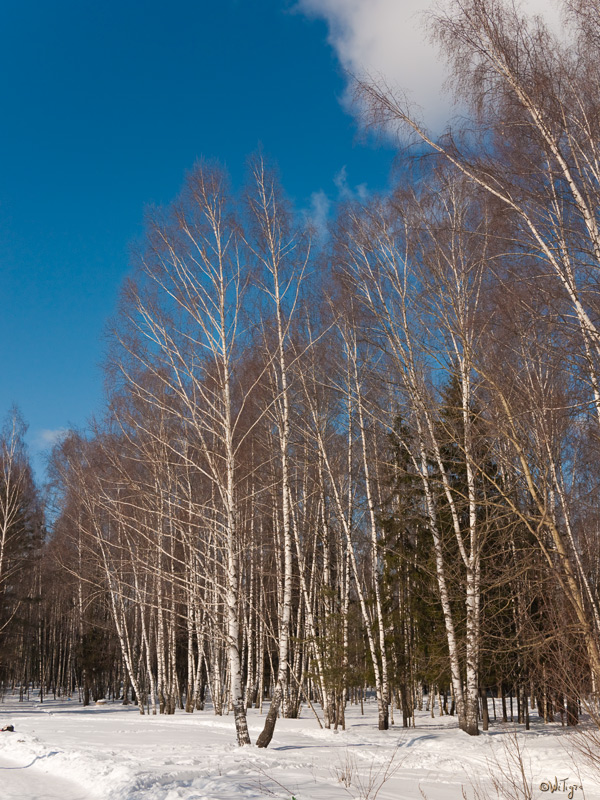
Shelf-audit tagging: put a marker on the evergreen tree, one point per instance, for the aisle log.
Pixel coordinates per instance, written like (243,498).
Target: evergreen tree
(21,538)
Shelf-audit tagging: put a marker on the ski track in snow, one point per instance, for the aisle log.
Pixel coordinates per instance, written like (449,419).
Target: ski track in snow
(61,750)
(21,781)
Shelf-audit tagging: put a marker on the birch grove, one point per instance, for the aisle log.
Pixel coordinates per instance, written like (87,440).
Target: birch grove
(357,466)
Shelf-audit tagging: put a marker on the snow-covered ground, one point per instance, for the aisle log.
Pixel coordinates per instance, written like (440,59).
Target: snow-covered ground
(62,750)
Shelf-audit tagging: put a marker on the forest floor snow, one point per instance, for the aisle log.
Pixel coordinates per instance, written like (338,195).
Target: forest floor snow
(61,750)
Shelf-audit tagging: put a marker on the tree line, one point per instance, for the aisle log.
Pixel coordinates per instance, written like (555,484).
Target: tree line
(371,462)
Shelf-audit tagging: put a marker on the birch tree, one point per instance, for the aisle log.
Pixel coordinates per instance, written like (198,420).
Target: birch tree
(282,257)
(533,98)
(181,324)
(419,277)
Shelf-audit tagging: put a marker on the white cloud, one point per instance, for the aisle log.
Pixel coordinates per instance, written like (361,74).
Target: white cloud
(48,438)
(317,215)
(347,192)
(388,38)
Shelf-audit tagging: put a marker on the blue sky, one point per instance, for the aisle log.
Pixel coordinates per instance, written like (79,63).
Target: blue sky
(105,106)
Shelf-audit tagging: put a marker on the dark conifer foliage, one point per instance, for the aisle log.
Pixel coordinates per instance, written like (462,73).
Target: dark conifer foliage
(21,541)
